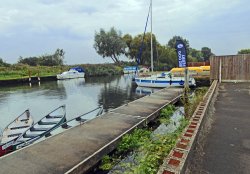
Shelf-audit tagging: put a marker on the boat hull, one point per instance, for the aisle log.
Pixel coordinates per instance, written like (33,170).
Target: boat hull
(162,83)
(14,130)
(41,128)
(6,148)
(69,76)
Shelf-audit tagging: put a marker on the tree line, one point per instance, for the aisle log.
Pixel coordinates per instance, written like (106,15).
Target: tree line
(45,60)
(55,59)
(113,44)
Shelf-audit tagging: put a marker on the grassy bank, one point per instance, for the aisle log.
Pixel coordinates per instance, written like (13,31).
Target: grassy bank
(24,71)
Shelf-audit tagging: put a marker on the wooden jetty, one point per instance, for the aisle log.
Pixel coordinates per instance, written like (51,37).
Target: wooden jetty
(80,148)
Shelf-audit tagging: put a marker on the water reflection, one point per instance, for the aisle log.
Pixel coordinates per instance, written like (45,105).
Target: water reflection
(145,90)
(79,95)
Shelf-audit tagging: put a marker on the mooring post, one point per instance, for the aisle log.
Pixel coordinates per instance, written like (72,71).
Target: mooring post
(220,71)
(38,78)
(29,77)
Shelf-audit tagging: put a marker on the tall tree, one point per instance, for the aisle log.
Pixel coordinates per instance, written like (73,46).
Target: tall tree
(127,38)
(195,55)
(206,53)
(45,60)
(137,49)
(3,63)
(172,42)
(244,51)
(110,44)
(59,56)
(167,56)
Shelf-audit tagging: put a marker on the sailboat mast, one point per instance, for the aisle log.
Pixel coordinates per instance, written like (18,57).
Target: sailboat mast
(152,61)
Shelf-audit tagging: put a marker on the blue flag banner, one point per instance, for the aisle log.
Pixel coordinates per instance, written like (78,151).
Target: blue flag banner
(181,53)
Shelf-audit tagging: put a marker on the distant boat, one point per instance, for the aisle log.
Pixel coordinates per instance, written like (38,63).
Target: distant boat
(15,130)
(130,69)
(163,80)
(44,126)
(76,72)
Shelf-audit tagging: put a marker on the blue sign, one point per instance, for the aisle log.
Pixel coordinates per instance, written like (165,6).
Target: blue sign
(181,53)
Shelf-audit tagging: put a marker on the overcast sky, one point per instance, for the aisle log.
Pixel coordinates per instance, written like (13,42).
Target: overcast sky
(35,27)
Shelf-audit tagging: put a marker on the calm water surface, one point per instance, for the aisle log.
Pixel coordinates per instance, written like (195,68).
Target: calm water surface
(79,96)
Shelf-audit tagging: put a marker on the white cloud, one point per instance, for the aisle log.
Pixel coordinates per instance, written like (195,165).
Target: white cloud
(72,24)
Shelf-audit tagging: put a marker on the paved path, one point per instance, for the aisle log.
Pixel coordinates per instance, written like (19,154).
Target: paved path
(78,149)
(227,145)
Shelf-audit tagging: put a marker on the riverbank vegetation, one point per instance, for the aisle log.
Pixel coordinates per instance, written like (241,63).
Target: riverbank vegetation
(109,44)
(19,71)
(146,151)
(142,151)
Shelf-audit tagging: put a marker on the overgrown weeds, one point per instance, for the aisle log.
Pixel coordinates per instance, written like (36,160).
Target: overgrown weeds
(148,152)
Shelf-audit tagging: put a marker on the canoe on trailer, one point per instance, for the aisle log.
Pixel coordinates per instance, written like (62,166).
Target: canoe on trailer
(14,130)
(77,121)
(48,123)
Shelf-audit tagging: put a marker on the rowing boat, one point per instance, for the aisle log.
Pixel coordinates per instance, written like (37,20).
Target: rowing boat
(77,121)
(44,126)
(14,130)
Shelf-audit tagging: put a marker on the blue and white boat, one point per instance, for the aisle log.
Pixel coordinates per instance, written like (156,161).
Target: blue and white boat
(76,72)
(163,80)
(130,69)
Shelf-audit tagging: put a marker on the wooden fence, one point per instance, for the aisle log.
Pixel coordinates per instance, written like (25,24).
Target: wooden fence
(198,64)
(235,68)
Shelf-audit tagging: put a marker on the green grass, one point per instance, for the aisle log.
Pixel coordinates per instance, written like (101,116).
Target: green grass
(24,71)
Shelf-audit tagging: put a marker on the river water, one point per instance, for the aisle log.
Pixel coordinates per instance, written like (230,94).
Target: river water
(79,96)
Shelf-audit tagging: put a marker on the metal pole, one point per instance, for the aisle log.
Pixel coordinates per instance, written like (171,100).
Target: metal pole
(220,71)
(186,89)
(152,63)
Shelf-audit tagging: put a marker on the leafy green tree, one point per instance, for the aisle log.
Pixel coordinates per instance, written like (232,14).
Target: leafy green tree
(32,61)
(166,57)
(172,42)
(127,38)
(192,59)
(195,55)
(110,44)
(244,51)
(3,63)
(59,56)
(135,46)
(45,60)
(206,53)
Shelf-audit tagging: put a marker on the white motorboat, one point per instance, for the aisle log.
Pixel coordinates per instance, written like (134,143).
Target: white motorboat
(76,72)
(162,81)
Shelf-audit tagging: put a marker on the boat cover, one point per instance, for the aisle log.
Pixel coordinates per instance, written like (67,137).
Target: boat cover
(78,68)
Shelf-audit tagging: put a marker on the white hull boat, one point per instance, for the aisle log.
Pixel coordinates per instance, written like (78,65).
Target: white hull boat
(163,81)
(129,69)
(73,73)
